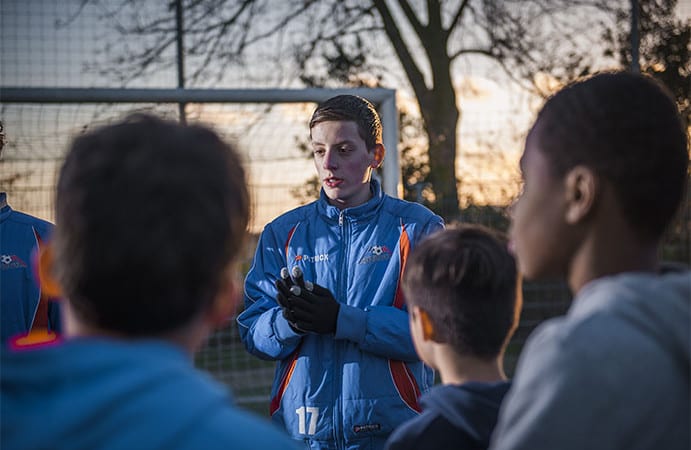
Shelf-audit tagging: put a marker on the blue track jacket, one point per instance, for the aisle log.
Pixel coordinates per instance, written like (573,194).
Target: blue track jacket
(20,235)
(350,389)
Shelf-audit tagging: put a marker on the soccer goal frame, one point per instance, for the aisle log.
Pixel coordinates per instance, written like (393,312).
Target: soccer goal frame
(383,99)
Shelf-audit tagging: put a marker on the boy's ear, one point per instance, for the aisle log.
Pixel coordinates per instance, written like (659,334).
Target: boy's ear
(581,189)
(428,332)
(379,152)
(46,264)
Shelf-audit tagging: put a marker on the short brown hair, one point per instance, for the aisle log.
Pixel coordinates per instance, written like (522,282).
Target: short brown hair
(355,109)
(466,280)
(149,215)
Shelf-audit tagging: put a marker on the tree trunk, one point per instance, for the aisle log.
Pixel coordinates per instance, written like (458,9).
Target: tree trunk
(441,123)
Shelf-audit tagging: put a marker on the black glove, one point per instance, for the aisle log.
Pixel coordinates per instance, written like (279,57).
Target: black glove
(313,308)
(285,297)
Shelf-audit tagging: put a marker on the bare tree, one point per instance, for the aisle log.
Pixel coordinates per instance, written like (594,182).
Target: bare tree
(337,41)
(664,49)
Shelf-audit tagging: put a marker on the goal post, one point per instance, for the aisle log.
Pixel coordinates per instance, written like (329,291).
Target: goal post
(383,99)
(269,126)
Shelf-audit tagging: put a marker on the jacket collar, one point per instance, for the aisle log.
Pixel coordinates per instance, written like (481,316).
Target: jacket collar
(367,209)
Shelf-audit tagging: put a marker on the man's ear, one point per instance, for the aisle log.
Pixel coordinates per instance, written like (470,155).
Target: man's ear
(379,152)
(582,187)
(46,272)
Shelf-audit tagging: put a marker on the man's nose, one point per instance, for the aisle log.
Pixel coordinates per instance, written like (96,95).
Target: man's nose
(330,160)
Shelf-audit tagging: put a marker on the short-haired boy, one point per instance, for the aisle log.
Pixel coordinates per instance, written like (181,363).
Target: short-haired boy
(150,219)
(462,293)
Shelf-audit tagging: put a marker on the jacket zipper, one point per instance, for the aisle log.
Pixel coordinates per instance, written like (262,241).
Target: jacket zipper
(338,376)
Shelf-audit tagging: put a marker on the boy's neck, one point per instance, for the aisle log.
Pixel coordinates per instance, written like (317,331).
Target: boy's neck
(609,245)
(605,254)
(190,337)
(456,369)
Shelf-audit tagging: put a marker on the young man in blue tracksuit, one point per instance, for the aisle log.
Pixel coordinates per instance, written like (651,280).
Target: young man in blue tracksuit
(22,309)
(347,370)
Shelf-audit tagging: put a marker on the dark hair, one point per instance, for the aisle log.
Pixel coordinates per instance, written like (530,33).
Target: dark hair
(465,279)
(355,109)
(149,215)
(627,128)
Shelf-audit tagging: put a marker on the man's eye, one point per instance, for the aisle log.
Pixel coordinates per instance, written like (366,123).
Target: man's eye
(344,149)
(318,152)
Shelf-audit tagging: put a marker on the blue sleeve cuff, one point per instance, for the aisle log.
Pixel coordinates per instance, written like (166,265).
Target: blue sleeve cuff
(283,331)
(351,324)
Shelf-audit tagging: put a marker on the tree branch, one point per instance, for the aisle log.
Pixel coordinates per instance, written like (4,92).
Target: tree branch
(412,18)
(456,18)
(476,51)
(417,80)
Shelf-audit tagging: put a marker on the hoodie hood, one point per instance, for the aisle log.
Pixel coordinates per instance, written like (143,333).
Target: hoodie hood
(657,305)
(471,406)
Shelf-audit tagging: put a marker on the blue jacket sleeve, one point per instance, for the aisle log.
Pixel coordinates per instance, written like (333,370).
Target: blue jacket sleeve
(263,329)
(383,330)
(380,330)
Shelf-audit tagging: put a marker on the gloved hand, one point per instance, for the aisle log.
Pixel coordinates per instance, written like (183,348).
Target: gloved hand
(314,308)
(285,297)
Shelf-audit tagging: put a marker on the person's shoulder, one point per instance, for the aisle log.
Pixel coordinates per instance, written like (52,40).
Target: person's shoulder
(631,312)
(409,210)
(625,301)
(294,216)
(411,433)
(571,345)
(430,430)
(42,226)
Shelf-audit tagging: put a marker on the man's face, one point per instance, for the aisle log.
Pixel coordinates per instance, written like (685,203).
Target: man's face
(539,236)
(343,162)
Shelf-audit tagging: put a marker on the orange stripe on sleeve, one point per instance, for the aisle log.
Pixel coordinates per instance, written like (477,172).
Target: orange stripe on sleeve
(40,321)
(287,375)
(404,250)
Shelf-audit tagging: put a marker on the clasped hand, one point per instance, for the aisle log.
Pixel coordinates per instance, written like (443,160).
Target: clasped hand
(306,306)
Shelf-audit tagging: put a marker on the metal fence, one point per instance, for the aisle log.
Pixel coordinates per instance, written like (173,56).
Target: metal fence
(46,44)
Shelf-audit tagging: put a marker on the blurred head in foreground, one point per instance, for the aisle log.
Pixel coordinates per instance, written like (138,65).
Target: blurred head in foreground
(150,218)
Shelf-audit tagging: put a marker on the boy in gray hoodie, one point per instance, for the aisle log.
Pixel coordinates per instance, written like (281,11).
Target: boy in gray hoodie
(605,168)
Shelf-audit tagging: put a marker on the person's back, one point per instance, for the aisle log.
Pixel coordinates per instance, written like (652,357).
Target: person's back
(101,393)
(150,219)
(462,292)
(627,349)
(605,168)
